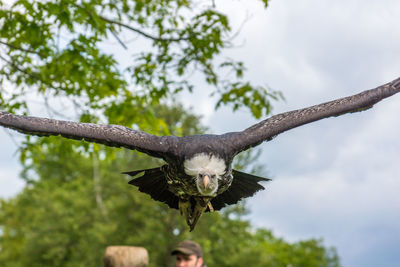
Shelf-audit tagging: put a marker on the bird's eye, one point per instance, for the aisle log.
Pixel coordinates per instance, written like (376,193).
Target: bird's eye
(200,175)
(213,176)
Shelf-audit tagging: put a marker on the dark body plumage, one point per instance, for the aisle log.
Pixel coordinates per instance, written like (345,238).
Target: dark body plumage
(170,183)
(197,175)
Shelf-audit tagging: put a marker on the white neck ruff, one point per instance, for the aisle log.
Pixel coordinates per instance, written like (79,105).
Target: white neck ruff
(204,163)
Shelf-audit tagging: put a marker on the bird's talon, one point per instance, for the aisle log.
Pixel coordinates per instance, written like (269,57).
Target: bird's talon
(211,208)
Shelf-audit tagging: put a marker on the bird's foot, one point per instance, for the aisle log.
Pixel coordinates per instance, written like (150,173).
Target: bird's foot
(191,210)
(210,207)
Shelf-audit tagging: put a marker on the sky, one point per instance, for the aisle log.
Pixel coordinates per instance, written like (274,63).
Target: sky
(335,179)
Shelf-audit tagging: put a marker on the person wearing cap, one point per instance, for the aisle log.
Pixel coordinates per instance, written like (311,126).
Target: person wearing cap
(188,254)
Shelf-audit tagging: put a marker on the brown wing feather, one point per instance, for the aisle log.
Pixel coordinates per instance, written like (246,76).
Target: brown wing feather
(269,128)
(110,135)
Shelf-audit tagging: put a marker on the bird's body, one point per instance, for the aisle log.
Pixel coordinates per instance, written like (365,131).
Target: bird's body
(198,174)
(198,169)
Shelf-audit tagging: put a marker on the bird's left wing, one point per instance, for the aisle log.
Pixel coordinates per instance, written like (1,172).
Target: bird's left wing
(269,128)
(110,135)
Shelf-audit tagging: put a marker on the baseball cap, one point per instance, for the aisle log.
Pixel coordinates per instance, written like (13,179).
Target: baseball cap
(188,247)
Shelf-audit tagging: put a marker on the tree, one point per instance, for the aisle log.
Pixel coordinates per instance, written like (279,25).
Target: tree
(55,49)
(76,202)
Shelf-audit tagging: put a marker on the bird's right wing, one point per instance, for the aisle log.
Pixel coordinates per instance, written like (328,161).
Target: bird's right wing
(109,135)
(269,128)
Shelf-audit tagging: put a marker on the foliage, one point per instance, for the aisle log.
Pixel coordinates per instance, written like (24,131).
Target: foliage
(57,48)
(76,202)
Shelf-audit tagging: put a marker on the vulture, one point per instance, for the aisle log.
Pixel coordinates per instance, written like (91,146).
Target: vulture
(197,175)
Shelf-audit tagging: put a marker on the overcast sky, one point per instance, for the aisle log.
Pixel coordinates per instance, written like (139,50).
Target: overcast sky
(336,179)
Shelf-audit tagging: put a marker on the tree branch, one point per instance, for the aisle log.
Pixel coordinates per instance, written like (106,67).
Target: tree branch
(118,39)
(30,74)
(97,186)
(18,68)
(22,49)
(154,38)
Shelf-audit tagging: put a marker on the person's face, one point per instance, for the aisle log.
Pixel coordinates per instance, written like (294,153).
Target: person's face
(183,260)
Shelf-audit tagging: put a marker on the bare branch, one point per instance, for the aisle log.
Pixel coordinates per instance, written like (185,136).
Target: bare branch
(239,30)
(119,40)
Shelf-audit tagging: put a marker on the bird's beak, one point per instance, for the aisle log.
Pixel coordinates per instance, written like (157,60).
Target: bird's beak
(206,180)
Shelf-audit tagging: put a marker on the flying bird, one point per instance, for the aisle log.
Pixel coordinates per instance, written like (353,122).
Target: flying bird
(197,175)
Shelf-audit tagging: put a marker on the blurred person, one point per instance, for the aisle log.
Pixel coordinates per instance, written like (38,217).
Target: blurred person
(188,254)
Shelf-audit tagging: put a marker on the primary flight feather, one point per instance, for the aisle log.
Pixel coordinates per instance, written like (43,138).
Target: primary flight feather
(197,175)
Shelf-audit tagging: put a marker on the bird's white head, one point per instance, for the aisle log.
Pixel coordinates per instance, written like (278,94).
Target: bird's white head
(206,170)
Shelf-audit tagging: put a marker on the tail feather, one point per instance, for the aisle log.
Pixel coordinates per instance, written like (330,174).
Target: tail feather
(243,185)
(154,183)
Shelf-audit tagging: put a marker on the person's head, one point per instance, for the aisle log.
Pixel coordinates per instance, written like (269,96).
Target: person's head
(188,254)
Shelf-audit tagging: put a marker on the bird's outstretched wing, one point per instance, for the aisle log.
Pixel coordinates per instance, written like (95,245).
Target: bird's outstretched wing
(110,135)
(269,128)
